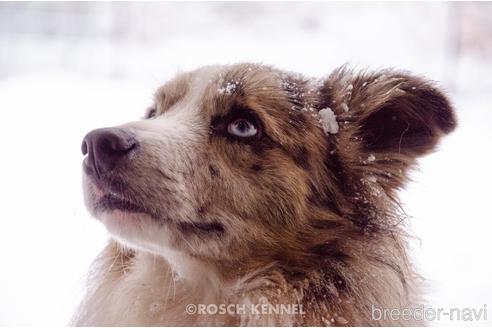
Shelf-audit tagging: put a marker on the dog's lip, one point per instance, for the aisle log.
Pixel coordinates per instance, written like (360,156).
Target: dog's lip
(114,201)
(106,198)
(109,200)
(207,227)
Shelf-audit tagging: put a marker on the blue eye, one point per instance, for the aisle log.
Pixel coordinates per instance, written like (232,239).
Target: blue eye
(242,128)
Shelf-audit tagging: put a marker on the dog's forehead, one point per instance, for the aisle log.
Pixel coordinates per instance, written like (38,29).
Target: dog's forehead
(221,80)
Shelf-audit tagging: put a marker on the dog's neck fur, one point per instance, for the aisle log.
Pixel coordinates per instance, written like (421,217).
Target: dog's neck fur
(139,288)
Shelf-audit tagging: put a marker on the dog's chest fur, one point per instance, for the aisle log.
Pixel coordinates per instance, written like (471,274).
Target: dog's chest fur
(142,290)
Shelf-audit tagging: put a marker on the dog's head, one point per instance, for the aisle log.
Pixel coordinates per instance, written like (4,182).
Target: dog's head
(242,160)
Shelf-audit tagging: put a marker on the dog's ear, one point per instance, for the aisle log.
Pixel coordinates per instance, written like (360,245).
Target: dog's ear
(386,120)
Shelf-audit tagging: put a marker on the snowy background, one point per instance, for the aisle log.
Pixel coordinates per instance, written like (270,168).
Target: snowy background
(66,68)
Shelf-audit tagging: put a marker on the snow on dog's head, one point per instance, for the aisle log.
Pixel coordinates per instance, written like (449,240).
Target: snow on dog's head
(246,164)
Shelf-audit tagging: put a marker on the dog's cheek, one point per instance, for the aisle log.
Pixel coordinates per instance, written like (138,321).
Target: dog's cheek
(275,196)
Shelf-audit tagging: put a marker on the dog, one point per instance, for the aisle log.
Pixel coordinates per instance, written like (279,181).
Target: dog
(245,185)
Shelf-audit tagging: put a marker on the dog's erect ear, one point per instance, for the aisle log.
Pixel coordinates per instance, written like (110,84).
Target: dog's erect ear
(386,119)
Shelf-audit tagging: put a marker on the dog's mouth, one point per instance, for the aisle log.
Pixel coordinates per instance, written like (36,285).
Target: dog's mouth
(107,200)
(112,201)
(213,227)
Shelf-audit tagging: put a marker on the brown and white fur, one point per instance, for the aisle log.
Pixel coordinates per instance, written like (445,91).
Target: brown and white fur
(291,215)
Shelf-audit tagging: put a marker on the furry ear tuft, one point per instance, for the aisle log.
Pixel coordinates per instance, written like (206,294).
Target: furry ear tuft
(392,111)
(410,122)
(389,116)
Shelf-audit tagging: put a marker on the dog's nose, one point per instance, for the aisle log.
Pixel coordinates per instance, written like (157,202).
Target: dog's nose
(105,148)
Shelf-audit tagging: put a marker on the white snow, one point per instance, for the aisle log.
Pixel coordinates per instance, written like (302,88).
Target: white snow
(371,158)
(229,88)
(328,121)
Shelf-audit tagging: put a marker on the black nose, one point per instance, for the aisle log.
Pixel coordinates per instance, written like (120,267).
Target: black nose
(105,148)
